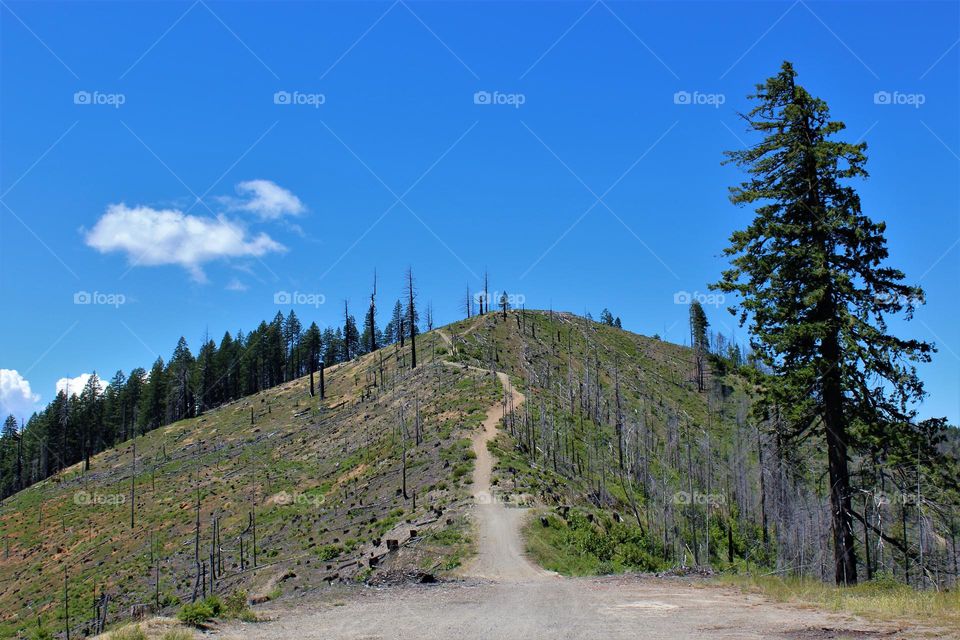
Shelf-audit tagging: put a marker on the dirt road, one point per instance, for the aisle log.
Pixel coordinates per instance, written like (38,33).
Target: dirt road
(503,595)
(500,554)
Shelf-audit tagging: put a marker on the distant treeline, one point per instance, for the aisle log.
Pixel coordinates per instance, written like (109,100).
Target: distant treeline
(80,423)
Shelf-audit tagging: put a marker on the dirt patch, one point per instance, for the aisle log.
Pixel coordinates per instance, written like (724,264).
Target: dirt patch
(354,473)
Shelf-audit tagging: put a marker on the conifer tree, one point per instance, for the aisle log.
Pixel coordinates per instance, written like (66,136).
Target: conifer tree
(811,273)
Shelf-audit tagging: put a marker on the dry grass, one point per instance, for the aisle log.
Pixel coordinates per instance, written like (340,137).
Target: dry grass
(881,600)
(158,628)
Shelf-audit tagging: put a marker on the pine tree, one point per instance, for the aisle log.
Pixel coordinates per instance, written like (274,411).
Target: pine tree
(351,336)
(698,341)
(154,398)
(180,398)
(132,392)
(810,271)
(370,337)
(312,348)
(90,418)
(114,409)
(228,367)
(9,448)
(206,377)
(292,334)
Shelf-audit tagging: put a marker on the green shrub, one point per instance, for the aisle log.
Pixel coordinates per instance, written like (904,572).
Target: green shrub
(236,606)
(41,633)
(200,612)
(329,551)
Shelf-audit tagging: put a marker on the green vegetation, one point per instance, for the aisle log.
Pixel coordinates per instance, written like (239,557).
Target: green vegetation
(585,544)
(200,612)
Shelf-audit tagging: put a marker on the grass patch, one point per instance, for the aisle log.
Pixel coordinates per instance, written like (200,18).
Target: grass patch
(882,599)
(133,632)
(578,546)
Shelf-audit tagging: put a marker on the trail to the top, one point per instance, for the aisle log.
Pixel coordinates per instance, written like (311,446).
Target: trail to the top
(500,554)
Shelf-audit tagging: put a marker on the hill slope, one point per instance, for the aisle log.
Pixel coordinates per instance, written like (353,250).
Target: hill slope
(319,484)
(324,480)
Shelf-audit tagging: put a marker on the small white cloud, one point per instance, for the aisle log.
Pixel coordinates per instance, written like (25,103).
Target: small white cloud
(236,285)
(267,199)
(74,386)
(152,237)
(16,397)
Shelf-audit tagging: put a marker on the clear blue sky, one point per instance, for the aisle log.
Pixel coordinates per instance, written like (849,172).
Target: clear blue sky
(400,166)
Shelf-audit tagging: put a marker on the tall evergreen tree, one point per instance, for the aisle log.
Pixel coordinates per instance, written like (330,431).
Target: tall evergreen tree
(699,341)
(9,457)
(114,409)
(393,330)
(132,392)
(180,398)
(154,398)
(90,416)
(370,337)
(206,377)
(351,336)
(292,334)
(810,270)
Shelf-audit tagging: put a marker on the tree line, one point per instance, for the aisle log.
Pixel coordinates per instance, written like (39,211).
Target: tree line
(80,423)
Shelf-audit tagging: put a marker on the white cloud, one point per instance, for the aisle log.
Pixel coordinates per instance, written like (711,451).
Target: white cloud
(16,397)
(268,200)
(152,237)
(74,386)
(236,285)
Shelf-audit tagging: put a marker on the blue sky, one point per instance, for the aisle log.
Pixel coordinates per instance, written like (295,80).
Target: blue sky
(192,160)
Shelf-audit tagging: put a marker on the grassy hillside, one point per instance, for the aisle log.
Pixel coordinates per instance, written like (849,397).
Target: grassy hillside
(323,478)
(632,466)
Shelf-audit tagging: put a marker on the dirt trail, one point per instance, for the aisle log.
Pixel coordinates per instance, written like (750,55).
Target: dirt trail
(501,556)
